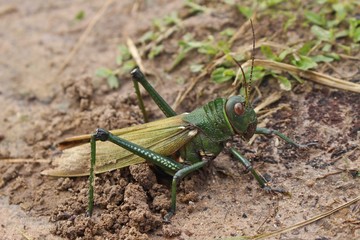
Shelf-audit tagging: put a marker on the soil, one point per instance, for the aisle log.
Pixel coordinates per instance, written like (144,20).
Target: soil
(40,107)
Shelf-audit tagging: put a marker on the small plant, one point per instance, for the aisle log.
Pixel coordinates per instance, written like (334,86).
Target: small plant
(124,62)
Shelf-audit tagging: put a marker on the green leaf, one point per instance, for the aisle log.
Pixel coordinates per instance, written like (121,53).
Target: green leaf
(266,50)
(185,47)
(304,62)
(208,49)
(80,15)
(246,11)
(356,36)
(229,72)
(342,33)
(354,29)
(178,59)
(327,47)
(290,22)
(346,48)
(296,77)
(340,10)
(284,54)
(304,50)
(228,32)
(196,67)
(158,24)
(123,54)
(172,19)
(322,34)
(258,73)
(119,59)
(333,55)
(196,7)
(113,82)
(221,74)
(316,18)
(271,3)
(224,47)
(128,66)
(156,50)
(322,58)
(103,72)
(353,23)
(284,82)
(238,57)
(147,37)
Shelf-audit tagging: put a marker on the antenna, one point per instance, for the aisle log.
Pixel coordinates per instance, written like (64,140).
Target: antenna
(252,54)
(245,83)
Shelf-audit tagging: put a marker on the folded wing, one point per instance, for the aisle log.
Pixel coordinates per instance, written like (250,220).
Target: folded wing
(164,136)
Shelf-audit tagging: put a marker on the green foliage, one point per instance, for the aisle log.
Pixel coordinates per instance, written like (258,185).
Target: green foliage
(148,37)
(207,47)
(327,22)
(246,11)
(290,21)
(315,18)
(109,75)
(284,82)
(221,74)
(172,19)
(322,58)
(123,54)
(303,62)
(264,4)
(156,50)
(125,65)
(228,32)
(80,15)
(268,53)
(354,29)
(323,34)
(330,26)
(196,8)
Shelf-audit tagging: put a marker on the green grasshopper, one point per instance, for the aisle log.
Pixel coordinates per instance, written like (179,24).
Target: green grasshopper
(196,137)
(178,145)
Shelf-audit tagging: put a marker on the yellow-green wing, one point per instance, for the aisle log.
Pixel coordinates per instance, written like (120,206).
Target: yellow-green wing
(164,136)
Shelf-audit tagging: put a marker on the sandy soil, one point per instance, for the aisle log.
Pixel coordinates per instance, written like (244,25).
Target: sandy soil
(40,107)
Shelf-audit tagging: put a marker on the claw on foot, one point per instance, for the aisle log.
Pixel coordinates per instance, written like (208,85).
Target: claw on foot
(168,216)
(269,189)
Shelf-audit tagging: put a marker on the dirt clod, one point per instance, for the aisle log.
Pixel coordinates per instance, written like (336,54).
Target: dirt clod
(170,231)
(143,175)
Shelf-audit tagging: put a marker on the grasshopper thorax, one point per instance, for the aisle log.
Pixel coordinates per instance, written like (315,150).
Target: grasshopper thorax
(241,117)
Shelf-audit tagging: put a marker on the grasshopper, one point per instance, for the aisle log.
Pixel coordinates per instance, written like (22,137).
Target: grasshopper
(178,145)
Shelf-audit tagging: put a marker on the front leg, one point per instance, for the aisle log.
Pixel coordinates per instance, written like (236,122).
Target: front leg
(259,178)
(267,131)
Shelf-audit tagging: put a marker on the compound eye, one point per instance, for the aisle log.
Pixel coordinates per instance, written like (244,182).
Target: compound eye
(239,109)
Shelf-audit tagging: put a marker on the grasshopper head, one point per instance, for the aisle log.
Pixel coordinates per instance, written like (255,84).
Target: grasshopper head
(241,117)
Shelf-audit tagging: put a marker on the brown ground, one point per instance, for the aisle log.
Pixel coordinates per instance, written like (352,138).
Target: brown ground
(40,107)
